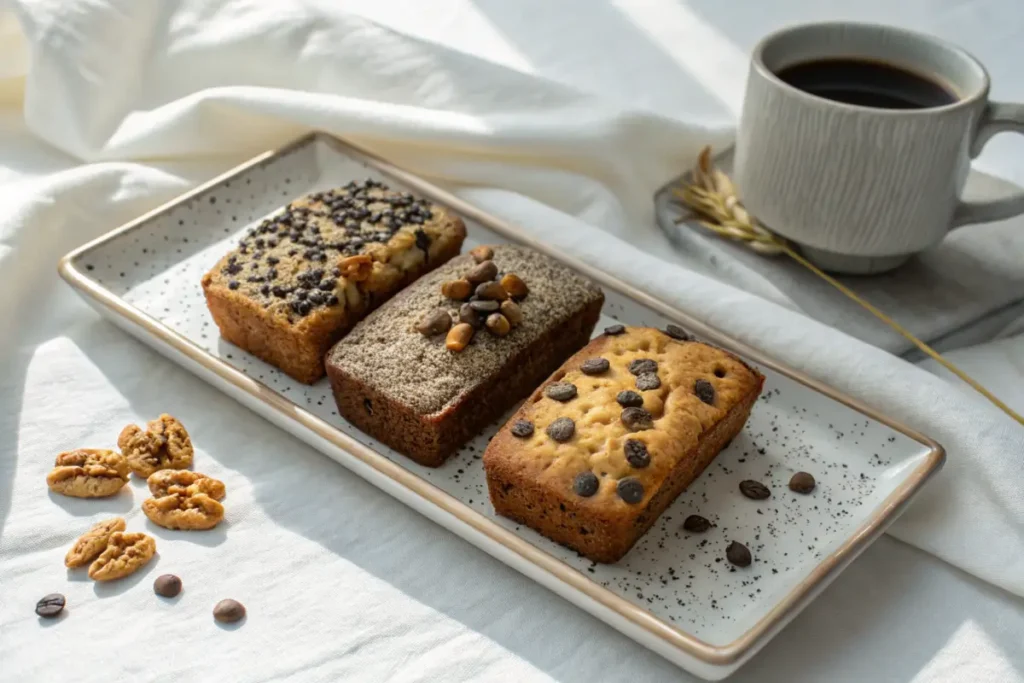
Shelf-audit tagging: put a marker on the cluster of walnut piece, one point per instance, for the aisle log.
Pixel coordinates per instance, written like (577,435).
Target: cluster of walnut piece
(490,302)
(182,499)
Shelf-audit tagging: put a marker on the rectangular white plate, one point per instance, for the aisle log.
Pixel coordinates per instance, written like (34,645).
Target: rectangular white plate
(675,592)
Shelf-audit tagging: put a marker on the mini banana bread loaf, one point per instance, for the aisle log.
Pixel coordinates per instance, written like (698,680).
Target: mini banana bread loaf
(599,451)
(304,277)
(459,347)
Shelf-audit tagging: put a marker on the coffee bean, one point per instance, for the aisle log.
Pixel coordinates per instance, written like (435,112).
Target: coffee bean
(468,315)
(738,554)
(677,332)
(522,429)
(637,419)
(802,482)
(229,611)
(481,253)
(630,490)
(754,490)
(562,429)
(643,366)
(457,289)
(696,524)
(560,391)
(613,330)
(585,484)
(484,306)
(167,585)
(459,337)
(511,310)
(434,323)
(498,325)
(514,286)
(647,381)
(705,392)
(636,453)
(595,366)
(491,290)
(49,606)
(629,399)
(482,272)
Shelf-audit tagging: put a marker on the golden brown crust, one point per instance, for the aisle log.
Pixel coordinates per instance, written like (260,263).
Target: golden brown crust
(93,542)
(126,553)
(267,327)
(532,479)
(164,445)
(88,473)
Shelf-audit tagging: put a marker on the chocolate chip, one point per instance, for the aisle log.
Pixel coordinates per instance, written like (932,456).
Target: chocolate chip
(613,330)
(336,272)
(647,381)
(704,391)
(629,399)
(301,307)
(522,429)
(232,268)
(233,284)
(316,297)
(167,585)
(562,429)
(585,484)
(327,285)
(482,306)
(630,490)
(468,315)
(560,391)
(482,272)
(636,453)
(754,490)
(438,321)
(265,290)
(642,366)
(637,419)
(301,294)
(802,482)
(49,606)
(228,611)
(273,260)
(332,300)
(279,291)
(738,554)
(272,274)
(595,366)
(696,524)
(677,332)
(423,241)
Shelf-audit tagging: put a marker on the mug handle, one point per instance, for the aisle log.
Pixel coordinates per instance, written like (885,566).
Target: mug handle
(997,117)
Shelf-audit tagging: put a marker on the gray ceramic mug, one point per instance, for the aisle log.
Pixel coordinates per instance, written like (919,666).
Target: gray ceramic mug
(860,188)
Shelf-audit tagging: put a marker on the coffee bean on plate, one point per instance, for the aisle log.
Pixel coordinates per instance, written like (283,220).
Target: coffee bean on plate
(696,524)
(228,611)
(457,289)
(629,399)
(167,585)
(481,253)
(677,332)
(630,490)
(434,323)
(560,391)
(585,484)
(482,272)
(514,286)
(613,330)
(562,429)
(522,429)
(482,306)
(459,337)
(511,310)
(594,366)
(704,391)
(637,419)
(49,606)
(647,381)
(754,490)
(491,291)
(738,554)
(802,482)
(498,324)
(636,453)
(469,315)
(642,366)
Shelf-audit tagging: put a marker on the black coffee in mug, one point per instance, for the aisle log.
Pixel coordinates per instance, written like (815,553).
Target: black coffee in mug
(866,83)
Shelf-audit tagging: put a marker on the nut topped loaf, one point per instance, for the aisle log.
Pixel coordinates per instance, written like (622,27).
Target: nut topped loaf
(599,451)
(459,347)
(303,277)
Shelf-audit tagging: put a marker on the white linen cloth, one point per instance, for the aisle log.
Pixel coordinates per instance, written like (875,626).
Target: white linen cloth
(555,117)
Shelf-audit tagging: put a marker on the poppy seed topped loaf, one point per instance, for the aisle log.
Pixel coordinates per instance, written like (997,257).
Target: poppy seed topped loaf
(599,451)
(399,377)
(303,277)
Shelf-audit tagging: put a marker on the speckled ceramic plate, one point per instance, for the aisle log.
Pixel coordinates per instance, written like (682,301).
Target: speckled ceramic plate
(674,592)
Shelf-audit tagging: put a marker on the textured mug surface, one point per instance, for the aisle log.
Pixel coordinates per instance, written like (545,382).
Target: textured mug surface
(863,188)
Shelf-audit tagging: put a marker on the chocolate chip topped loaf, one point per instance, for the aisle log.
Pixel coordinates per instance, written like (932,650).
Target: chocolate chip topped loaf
(440,361)
(599,451)
(302,278)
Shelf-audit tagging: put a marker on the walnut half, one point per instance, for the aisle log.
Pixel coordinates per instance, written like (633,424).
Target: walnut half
(164,445)
(93,542)
(88,473)
(125,554)
(166,482)
(187,509)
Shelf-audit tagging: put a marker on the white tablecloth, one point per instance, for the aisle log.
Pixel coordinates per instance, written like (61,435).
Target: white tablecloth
(565,107)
